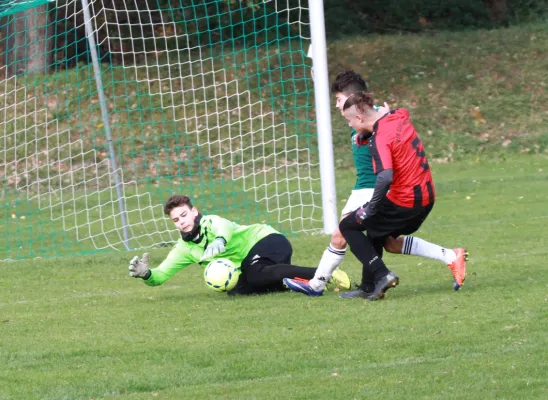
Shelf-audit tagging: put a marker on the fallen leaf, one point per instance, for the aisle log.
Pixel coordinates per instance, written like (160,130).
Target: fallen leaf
(478,116)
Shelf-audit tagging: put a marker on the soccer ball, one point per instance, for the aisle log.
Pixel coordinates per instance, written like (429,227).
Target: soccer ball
(221,275)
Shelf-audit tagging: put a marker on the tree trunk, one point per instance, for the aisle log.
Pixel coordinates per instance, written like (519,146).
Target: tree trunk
(26,42)
(38,42)
(498,9)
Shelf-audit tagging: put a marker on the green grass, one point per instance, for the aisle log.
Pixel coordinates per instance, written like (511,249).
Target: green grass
(441,78)
(89,223)
(158,116)
(80,328)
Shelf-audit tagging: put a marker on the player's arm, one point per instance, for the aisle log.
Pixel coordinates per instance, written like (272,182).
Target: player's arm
(382,185)
(176,260)
(383,167)
(222,229)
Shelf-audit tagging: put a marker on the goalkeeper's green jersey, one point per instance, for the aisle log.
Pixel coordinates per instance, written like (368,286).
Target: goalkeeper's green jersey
(239,241)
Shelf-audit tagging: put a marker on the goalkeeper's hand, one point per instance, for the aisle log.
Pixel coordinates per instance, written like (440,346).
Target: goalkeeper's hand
(216,247)
(138,267)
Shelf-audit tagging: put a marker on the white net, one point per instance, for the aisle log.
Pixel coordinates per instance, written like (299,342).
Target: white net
(197,102)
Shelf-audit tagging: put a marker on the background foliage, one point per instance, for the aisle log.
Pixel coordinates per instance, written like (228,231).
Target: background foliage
(383,16)
(218,22)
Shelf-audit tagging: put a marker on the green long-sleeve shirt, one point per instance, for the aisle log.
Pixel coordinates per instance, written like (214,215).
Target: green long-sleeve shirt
(239,240)
(363,161)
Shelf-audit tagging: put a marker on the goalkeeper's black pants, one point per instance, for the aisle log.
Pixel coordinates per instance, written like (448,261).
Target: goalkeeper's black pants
(267,264)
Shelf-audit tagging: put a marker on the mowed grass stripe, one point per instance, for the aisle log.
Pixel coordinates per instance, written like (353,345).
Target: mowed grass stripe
(78,328)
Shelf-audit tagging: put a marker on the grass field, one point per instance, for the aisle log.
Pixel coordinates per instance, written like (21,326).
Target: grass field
(81,328)
(480,91)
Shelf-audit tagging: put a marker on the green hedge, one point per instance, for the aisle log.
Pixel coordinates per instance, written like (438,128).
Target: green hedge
(349,17)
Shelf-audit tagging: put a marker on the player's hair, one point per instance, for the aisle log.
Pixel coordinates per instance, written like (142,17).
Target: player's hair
(177,200)
(362,100)
(348,82)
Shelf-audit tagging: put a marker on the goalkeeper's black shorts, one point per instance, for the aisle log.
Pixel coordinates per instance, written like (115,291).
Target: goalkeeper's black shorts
(266,265)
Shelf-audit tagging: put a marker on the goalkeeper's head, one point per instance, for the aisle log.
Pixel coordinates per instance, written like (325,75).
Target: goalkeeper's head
(183,214)
(346,84)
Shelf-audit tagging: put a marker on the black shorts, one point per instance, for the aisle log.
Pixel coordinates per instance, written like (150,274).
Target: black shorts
(393,220)
(272,249)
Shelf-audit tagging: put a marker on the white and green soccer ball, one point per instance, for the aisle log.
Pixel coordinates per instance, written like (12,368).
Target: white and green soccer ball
(221,275)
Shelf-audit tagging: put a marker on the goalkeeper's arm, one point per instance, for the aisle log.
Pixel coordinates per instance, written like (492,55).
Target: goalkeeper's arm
(177,259)
(222,229)
(219,226)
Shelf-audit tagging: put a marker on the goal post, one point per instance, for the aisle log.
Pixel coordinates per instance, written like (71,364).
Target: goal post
(323,117)
(110,106)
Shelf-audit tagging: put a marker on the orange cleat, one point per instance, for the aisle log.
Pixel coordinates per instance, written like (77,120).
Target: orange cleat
(458,267)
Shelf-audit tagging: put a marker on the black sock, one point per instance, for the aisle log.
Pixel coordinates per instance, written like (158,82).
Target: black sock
(362,247)
(378,245)
(378,269)
(266,275)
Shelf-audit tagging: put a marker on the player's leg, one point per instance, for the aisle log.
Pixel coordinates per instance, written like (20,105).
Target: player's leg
(272,263)
(330,261)
(272,249)
(455,259)
(268,276)
(415,246)
(267,264)
(333,256)
(315,285)
(376,278)
(378,245)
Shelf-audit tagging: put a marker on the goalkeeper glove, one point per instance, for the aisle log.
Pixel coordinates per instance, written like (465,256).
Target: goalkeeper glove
(216,247)
(138,267)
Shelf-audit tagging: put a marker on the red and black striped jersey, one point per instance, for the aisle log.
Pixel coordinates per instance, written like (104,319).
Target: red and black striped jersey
(395,145)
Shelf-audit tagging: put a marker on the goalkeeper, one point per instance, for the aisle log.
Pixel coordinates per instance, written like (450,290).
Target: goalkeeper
(261,252)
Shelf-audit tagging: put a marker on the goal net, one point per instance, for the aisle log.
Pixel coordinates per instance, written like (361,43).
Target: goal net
(108,110)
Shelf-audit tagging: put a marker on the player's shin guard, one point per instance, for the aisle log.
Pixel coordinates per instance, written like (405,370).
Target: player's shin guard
(331,259)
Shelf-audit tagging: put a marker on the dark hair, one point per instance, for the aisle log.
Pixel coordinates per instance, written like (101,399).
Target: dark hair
(348,82)
(176,200)
(363,102)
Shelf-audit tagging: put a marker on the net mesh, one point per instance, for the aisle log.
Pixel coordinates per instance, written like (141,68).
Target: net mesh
(205,98)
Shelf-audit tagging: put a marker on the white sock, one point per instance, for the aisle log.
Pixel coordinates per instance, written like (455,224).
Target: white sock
(331,259)
(415,246)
